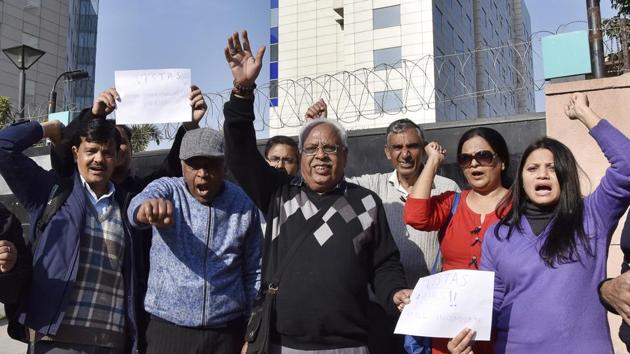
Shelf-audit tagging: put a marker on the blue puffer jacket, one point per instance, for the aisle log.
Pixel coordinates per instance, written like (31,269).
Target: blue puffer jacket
(56,259)
(205,267)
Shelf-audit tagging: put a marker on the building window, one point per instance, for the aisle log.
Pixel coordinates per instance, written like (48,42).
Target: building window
(274,18)
(388,101)
(273,71)
(274,35)
(386,17)
(387,56)
(274,4)
(273,57)
(273,93)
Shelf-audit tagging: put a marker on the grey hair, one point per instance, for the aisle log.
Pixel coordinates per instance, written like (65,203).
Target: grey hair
(306,130)
(400,125)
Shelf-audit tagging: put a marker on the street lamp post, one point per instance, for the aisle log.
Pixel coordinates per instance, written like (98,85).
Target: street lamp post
(71,75)
(23,57)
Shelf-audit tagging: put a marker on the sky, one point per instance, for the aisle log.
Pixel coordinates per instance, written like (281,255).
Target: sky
(192,34)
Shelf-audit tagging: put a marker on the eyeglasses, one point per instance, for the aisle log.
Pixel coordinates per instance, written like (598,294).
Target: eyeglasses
(483,157)
(284,160)
(311,150)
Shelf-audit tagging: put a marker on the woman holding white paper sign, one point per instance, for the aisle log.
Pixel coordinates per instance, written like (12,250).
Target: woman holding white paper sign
(549,252)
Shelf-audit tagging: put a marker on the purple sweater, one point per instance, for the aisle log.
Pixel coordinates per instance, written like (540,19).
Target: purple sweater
(538,309)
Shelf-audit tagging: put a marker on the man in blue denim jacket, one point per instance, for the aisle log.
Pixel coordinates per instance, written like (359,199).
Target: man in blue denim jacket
(205,256)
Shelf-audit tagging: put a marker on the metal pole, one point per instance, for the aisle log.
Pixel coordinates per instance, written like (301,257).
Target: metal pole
(52,102)
(595,38)
(22,93)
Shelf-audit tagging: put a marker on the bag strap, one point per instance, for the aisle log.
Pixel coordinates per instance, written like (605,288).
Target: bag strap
(443,231)
(306,231)
(58,195)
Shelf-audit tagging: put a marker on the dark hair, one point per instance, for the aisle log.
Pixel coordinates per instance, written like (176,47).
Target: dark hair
(496,142)
(281,140)
(127,131)
(561,245)
(400,125)
(96,130)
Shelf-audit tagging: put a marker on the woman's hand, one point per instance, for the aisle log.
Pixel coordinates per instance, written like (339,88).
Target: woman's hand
(462,343)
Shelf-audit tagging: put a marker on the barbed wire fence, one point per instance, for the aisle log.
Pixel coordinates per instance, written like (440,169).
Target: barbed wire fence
(422,84)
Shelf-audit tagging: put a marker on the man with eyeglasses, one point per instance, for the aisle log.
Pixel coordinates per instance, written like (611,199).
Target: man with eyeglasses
(404,148)
(204,269)
(281,152)
(345,242)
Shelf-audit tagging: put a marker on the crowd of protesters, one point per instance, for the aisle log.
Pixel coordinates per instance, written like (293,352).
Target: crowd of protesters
(296,257)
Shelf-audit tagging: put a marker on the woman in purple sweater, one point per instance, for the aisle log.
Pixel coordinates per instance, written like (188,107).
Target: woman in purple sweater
(549,252)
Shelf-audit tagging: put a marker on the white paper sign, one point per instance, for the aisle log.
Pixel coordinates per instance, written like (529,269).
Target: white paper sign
(445,303)
(153,96)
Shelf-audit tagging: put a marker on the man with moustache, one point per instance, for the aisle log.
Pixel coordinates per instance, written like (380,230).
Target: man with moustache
(82,292)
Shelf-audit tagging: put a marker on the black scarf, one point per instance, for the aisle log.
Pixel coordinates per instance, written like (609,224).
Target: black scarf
(538,216)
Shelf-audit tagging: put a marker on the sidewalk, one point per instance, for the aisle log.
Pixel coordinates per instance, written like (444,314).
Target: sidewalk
(8,345)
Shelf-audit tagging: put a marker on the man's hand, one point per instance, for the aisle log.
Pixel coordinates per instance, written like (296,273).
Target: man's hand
(53,130)
(462,343)
(317,110)
(616,292)
(8,256)
(199,108)
(245,68)
(105,103)
(578,108)
(402,298)
(244,349)
(158,212)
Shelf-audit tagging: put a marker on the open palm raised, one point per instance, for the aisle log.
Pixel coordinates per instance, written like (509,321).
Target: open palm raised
(245,68)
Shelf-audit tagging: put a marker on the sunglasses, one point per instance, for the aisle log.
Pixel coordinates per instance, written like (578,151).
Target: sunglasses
(483,157)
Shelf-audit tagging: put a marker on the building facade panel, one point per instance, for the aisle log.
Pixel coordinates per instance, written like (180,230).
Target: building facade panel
(439,73)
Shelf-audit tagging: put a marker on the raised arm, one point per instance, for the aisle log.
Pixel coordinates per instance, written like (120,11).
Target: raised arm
(255,176)
(611,198)
(30,183)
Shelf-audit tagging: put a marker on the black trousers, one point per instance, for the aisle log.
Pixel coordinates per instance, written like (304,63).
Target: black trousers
(48,347)
(167,338)
(381,337)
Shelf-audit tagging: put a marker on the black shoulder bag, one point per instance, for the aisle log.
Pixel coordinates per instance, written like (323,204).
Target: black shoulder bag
(260,321)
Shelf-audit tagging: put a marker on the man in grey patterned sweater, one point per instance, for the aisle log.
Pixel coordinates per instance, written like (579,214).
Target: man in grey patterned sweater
(204,269)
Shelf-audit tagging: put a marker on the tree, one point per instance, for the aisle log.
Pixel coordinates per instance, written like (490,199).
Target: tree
(142,135)
(622,6)
(6,116)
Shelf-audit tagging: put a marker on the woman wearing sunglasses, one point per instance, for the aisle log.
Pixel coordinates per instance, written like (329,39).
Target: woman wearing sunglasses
(549,252)
(484,158)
